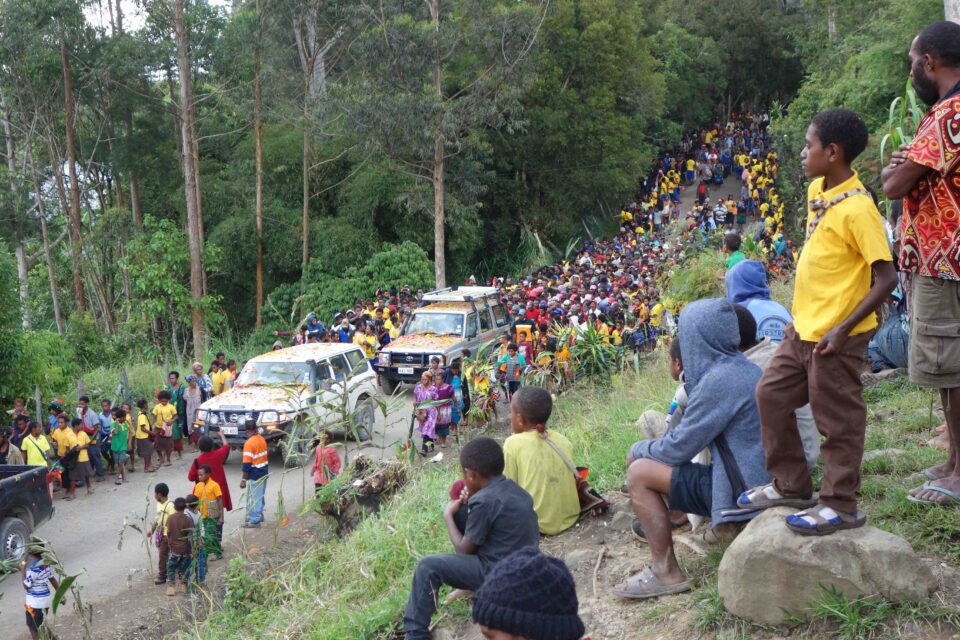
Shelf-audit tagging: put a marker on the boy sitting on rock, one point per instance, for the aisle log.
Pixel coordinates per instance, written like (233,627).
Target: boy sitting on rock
(500,520)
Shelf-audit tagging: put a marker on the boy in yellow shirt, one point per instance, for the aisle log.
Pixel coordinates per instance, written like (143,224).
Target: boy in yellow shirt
(534,460)
(164,412)
(821,354)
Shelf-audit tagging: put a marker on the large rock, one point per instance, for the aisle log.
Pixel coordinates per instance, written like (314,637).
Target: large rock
(770,570)
(652,424)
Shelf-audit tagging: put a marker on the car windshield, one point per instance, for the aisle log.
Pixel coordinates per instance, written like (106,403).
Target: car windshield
(437,323)
(274,373)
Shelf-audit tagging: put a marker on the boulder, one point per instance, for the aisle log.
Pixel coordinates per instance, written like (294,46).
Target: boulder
(652,424)
(622,520)
(769,571)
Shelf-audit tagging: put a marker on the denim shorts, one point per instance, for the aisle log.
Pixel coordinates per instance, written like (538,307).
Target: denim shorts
(691,488)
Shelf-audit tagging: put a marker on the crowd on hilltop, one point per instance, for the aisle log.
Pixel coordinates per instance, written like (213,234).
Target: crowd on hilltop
(615,285)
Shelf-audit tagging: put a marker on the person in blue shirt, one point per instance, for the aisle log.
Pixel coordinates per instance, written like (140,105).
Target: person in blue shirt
(314,327)
(747,286)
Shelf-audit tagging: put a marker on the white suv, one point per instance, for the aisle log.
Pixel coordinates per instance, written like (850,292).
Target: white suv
(292,391)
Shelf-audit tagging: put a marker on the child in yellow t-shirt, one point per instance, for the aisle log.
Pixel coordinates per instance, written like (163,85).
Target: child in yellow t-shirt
(834,317)
(81,470)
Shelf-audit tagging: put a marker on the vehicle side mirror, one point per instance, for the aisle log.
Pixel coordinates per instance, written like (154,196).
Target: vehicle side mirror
(472,333)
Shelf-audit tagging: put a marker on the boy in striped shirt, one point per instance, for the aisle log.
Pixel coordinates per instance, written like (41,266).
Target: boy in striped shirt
(39,583)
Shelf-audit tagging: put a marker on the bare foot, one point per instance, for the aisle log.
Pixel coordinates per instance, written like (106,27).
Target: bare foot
(940,441)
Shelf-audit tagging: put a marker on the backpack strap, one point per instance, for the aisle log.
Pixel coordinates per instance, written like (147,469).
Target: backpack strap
(563,456)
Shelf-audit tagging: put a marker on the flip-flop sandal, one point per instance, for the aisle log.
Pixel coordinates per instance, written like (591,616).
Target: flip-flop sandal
(639,534)
(766,497)
(646,585)
(953,498)
(822,521)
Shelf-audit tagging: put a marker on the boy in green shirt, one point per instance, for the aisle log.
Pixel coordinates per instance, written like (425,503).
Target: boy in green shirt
(119,442)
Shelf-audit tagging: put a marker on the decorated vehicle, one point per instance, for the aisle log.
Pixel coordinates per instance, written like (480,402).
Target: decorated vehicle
(26,502)
(292,393)
(447,322)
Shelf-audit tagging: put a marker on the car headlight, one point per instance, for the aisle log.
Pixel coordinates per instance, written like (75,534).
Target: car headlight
(201,415)
(268,416)
(213,418)
(383,358)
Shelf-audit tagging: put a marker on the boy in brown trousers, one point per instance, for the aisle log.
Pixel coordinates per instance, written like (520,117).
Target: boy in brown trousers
(822,353)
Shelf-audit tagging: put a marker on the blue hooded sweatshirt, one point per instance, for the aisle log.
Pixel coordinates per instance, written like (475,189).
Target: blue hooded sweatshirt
(747,285)
(721,384)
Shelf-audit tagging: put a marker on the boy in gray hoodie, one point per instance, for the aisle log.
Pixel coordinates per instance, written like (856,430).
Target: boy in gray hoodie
(721,416)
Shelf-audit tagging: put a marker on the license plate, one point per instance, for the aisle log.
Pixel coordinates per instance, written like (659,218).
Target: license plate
(405,371)
(229,431)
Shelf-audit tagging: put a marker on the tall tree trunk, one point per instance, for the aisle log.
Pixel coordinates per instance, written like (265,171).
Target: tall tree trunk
(307,140)
(258,159)
(190,181)
(51,274)
(439,186)
(8,139)
(951,10)
(135,199)
(23,275)
(832,21)
(74,216)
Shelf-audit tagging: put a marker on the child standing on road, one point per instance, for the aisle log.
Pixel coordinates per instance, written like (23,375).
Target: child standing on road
(425,412)
(119,442)
(210,495)
(198,565)
(179,532)
(326,462)
(444,409)
(143,437)
(511,367)
(456,383)
(165,414)
(81,469)
(37,579)
(821,355)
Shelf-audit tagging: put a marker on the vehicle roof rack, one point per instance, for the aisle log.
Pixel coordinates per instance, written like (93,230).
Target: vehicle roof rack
(460,294)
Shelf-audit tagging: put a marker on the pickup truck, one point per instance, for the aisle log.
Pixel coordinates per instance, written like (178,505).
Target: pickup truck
(26,502)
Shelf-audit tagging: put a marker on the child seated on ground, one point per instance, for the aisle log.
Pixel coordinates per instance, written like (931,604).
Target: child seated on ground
(538,461)
(821,356)
(500,520)
(528,596)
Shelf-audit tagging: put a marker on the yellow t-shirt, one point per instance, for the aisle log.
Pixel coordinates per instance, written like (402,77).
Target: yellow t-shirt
(83,439)
(37,450)
(534,465)
(143,427)
(219,380)
(66,439)
(691,165)
(207,492)
(833,274)
(164,413)
(164,511)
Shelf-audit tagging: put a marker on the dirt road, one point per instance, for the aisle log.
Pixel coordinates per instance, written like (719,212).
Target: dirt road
(85,533)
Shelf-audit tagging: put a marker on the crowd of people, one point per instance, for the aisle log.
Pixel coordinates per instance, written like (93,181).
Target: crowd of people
(765,394)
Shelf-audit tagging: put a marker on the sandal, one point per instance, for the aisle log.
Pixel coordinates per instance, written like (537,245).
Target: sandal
(118,481)
(952,497)
(930,475)
(822,521)
(645,585)
(766,497)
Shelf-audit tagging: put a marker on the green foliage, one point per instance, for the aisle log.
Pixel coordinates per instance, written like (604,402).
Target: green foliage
(699,277)
(694,75)
(10,333)
(46,360)
(398,265)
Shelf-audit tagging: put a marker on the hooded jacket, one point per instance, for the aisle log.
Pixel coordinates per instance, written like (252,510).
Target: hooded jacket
(747,285)
(721,384)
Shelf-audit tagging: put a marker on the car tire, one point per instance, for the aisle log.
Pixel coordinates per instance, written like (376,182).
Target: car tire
(364,419)
(388,386)
(14,538)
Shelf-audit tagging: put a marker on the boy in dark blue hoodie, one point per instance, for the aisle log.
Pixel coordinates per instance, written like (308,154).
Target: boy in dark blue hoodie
(721,415)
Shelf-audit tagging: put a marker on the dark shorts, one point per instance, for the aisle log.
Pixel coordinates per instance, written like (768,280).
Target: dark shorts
(164,445)
(144,448)
(691,488)
(34,618)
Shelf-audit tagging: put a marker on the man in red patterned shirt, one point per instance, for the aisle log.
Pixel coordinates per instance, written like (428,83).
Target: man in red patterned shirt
(926,174)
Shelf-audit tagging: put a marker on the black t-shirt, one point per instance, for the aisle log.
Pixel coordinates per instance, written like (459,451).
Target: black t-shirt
(501,520)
